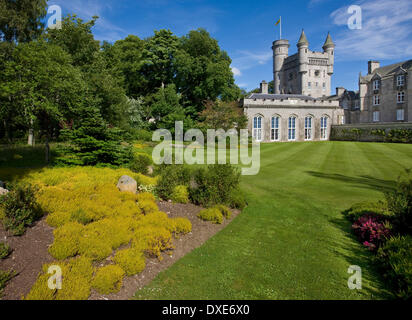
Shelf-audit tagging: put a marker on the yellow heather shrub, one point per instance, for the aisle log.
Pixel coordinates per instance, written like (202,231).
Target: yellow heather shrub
(145,196)
(131,260)
(153,240)
(226,212)
(180,195)
(181,226)
(77,275)
(214,215)
(66,241)
(148,206)
(108,279)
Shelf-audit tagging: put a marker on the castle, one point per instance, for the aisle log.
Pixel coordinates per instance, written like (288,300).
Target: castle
(301,107)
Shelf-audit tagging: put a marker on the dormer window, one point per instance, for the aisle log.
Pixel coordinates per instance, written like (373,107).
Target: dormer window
(376,85)
(400,80)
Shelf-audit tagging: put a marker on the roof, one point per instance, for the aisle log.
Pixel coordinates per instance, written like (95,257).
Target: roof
(388,70)
(328,42)
(303,40)
(281,97)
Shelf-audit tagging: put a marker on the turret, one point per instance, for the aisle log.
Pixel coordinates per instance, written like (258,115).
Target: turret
(329,48)
(303,51)
(280,53)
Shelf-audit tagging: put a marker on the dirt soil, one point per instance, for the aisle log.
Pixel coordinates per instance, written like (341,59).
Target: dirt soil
(30,252)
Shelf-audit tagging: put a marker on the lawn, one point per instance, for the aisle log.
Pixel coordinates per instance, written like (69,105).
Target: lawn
(292,241)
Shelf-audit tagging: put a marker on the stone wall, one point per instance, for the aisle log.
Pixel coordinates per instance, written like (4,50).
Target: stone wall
(384,132)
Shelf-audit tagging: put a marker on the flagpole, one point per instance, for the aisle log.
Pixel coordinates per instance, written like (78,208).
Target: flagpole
(280,28)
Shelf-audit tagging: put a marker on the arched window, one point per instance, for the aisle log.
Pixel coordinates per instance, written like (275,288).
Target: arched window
(324,128)
(308,128)
(258,128)
(275,130)
(292,128)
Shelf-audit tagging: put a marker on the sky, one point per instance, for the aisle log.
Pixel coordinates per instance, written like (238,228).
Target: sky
(246,29)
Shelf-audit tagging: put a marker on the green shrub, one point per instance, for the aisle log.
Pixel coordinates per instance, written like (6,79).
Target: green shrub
(237,199)
(20,208)
(66,241)
(140,163)
(131,260)
(395,257)
(142,135)
(214,185)
(400,203)
(171,176)
(225,211)
(5,276)
(361,209)
(213,215)
(180,194)
(108,279)
(5,250)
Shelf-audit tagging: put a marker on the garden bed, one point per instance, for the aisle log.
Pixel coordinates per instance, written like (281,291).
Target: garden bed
(31,252)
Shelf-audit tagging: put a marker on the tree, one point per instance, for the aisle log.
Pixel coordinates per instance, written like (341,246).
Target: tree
(47,88)
(21,20)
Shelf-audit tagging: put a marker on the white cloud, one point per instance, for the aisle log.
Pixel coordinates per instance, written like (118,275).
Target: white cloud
(386,31)
(236,72)
(86,9)
(246,60)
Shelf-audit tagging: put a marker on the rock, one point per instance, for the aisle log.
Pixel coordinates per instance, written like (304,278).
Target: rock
(2,185)
(127,184)
(3,191)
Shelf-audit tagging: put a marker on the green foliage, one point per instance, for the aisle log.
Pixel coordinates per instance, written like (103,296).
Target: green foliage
(225,211)
(20,208)
(142,135)
(21,20)
(400,203)
(180,194)
(358,210)
(172,176)
(140,163)
(5,250)
(214,184)
(403,135)
(395,258)
(237,199)
(5,276)
(213,215)
(108,279)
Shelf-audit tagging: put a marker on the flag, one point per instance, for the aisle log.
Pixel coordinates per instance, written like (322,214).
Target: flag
(278,22)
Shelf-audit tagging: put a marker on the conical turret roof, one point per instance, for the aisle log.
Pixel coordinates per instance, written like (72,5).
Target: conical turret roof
(303,40)
(328,42)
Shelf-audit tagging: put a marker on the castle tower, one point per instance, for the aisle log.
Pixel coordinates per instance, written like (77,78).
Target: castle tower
(329,48)
(303,52)
(280,53)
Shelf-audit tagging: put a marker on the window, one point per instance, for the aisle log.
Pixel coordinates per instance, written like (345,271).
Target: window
(275,132)
(324,86)
(324,128)
(401,97)
(400,115)
(308,128)
(309,85)
(257,128)
(324,73)
(376,100)
(292,129)
(376,116)
(317,84)
(401,80)
(376,85)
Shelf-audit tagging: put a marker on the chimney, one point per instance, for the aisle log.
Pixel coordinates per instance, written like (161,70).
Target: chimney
(372,66)
(340,91)
(264,87)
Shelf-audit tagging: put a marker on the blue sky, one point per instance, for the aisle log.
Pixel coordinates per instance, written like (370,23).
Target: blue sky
(246,29)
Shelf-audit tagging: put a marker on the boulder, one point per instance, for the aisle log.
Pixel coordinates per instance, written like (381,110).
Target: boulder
(3,191)
(127,184)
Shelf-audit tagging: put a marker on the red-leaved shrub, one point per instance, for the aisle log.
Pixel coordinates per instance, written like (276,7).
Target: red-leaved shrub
(371,231)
